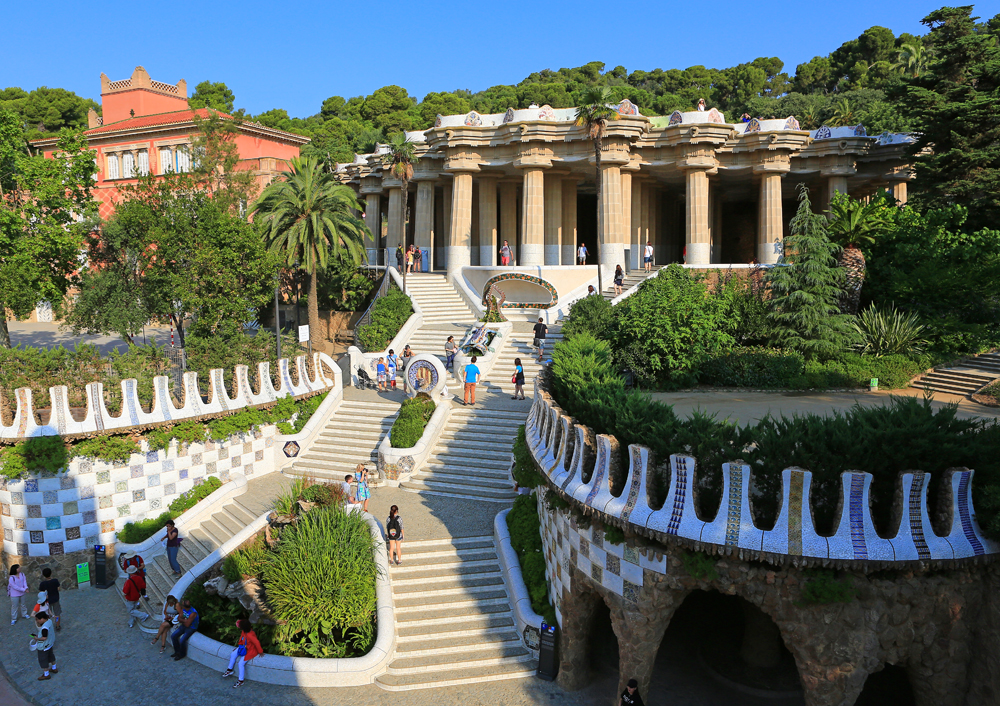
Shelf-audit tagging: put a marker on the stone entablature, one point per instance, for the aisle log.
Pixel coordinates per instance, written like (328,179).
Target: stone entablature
(584,469)
(97,420)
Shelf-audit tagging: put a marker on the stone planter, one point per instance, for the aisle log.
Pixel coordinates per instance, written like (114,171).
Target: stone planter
(529,623)
(397,465)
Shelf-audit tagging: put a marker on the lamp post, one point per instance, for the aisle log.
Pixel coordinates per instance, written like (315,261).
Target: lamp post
(277,319)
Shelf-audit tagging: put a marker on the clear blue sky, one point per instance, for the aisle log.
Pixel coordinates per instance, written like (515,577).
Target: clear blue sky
(293,55)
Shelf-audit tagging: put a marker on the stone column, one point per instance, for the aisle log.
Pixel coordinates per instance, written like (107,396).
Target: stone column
(508,217)
(460,235)
(533,218)
(569,221)
(645,229)
(835,183)
(626,239)
(610,239)
(553,219)
(446,230)
(637,225)
(395,235)
(488,245)
(899,192)
(373,217)
(770,233)
(696,234)
(423,234)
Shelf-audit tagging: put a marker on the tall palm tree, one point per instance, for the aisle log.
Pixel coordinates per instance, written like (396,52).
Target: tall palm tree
(311,219)
(400,160)
(853,222)
(843,113)
(594,114)
(912,59)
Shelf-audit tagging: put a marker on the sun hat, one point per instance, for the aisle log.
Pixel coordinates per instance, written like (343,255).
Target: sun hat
(130,554)
(131,570)
(33,644)
(42,597)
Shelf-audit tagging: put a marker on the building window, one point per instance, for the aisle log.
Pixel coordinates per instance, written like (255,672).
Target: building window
(183,160)
(113,172)
(166,161)
(128,165)
(143,162)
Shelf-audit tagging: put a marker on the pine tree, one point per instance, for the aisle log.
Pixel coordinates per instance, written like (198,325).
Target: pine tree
(806,288)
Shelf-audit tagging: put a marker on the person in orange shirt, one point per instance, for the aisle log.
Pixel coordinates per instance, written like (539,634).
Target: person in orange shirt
(246,649)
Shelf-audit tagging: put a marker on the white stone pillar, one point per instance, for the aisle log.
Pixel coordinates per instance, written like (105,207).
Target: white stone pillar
(373,217)
(569,221)
(636,224)
(533,218)
(488,245)
(626,229)
(460,236)
(394,237)
(445,238)
(423,233)
(696,238)
(835,184)
(508,218)
(899,192)
(553,219)
(610,239)
(770,233)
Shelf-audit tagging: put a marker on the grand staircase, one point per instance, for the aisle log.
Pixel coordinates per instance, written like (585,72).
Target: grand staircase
(351,436)
(962,379)
(519,346)
(632,279)
(454,623)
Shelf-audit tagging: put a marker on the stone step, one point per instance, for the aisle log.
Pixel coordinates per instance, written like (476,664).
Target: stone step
(451,597)
(459,659)
(472,675)
(486,414)
(438,551)
(477,445)
(448,566)
(449,475)
(470,605)
(455,625)
(454,490)
(417,647)
(468,461)
(445,558)
(462,582)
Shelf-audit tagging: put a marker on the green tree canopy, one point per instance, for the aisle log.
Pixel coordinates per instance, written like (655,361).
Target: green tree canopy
(45,111)
(212,95)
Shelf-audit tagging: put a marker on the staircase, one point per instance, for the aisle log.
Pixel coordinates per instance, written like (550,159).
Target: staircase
(963,379)
(201,540)
(471,458)
(632,279)
(519,346)
(454,623)
(445,314)
(351,436)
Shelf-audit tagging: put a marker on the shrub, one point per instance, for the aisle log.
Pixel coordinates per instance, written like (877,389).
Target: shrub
(526,540)
(40,454)
(107,448)
(387,316)
(217,615)
(319,493)
(248,561)
(824,587)
(412,420)
(883,332)
(186,501)
(526,474)
(141,530)
(755,367)
(210,352)
(613,535)
(593,315)
(699,565)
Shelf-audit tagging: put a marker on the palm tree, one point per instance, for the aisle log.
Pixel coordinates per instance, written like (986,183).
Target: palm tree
(400,160)
(594,114)
(853,222)
(311,219)
(912,59)
(843,114)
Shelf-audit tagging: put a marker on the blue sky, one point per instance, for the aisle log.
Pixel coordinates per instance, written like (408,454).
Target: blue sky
(294,55)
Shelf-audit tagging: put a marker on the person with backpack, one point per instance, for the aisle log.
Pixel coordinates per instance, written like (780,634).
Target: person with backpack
(17,586)
(51,588)
(391,363)
(394,533)
(541,331)
(134,590)
(246,649)
(133,559)
(399,258)
(450,351)
(45,641)
(647,257)
(505,255)
(619,279)
(187,626)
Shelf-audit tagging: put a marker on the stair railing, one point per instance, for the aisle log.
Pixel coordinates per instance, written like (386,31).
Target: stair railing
(366,318)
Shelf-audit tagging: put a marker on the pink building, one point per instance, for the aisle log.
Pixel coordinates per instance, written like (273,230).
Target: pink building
(147,127)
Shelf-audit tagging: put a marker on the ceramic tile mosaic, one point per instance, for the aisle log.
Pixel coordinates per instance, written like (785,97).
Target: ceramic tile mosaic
(34,510)
(196,460)
(224,476)
(248,448)
(5,509)
(155,503)
(237,462)
(916,519)
(136,471)
(37,536)
(963,514)
(269,442)
(50,497)
(53,523)
(56,549)
(20,523)
(170,489)
(182,451)
(31,486)
(104,476)
(121,487)
(86,492)
(631,554)
(72,533)
(92,541)
(630,591)
(198,481)
(183,473)
(107,526)
(152,456)
(584,547)
(89,516)
(22,549)
(258,455)
(71,508)
(86,466)
(17,498)
(210,467)
(104,502)
(613,564)
(248,469)
(596,573)
(153,480)
(168,465)
(8,534)
(857,517)
(66,483)
(124,510)
(138,496)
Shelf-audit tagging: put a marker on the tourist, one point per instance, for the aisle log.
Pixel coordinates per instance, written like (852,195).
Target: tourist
(745,117)
(363,493)
(399,258)
(619,279)
(133,559)
(345,490)
(169,618)
(541,330)
(591,291)
(17,586)
(450,351)
(518,380)
(133,590)
(246,649)
(380,371)
(418,257)
(630,697)
(42,604)
(404,362)
(647,257)
(45,641)
(187,624)
(471,378)
(581,254)
(173,545)
(390,369)
(409,259)
(51,587)
(394,533)
(701,105)
(505,254)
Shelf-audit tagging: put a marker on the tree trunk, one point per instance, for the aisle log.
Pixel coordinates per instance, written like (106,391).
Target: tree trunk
(313,309)
(402,226)
(179,325)
(4,331)
(597,248)
(853,261)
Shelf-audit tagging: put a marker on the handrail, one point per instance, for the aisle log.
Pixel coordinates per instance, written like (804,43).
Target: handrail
(366,318)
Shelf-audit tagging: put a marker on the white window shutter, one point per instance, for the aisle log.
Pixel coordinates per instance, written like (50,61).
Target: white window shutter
(112,166)
(128,165)
(143,162)
(166,161)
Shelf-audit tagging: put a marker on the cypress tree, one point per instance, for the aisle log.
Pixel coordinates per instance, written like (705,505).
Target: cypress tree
(806,288)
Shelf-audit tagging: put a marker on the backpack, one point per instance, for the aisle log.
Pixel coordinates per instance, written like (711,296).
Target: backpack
(393,528)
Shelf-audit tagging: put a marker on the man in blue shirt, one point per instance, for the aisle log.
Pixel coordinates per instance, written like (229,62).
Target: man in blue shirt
(187,626)
(471,378)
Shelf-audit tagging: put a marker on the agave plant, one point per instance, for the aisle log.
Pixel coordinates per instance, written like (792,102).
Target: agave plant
(884,332)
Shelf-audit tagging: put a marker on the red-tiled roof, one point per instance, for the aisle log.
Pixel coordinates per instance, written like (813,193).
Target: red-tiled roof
(177,116)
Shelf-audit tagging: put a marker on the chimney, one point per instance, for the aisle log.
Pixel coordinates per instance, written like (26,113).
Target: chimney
(92,120)
(182,88)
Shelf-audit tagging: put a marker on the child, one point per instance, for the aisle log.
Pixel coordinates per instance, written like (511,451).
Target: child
(390,365)
(381,371)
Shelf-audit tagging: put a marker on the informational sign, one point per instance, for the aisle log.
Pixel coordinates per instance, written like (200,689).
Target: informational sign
(83,572)
(303,333)
(874,383)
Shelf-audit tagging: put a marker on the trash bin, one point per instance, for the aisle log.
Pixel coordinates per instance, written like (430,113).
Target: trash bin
(425,259)
(101,566)
(548,665)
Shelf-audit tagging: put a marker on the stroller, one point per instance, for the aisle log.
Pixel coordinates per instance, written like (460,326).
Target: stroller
(365,380)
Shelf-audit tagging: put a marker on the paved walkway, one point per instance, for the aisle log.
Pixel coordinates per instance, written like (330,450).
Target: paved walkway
(28,333)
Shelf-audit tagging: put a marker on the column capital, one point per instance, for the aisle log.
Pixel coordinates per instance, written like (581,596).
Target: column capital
(772,162)
(371,185)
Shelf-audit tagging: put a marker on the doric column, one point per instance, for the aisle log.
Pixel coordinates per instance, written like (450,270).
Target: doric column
(488,245)
(899,192)
(770,225)
(508,217)
(610,239)
(626,181)
(423,233)
(372,213)
(696,239)
(569,221)
(446,231)
(636,239)
(460,237)
(533,218)
(645,224)
(394,236)
(834,184)
(553,219)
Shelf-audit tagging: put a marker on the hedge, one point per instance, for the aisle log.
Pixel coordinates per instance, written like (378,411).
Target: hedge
(135,532)
(411,422)
(526,539)
(387,316)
